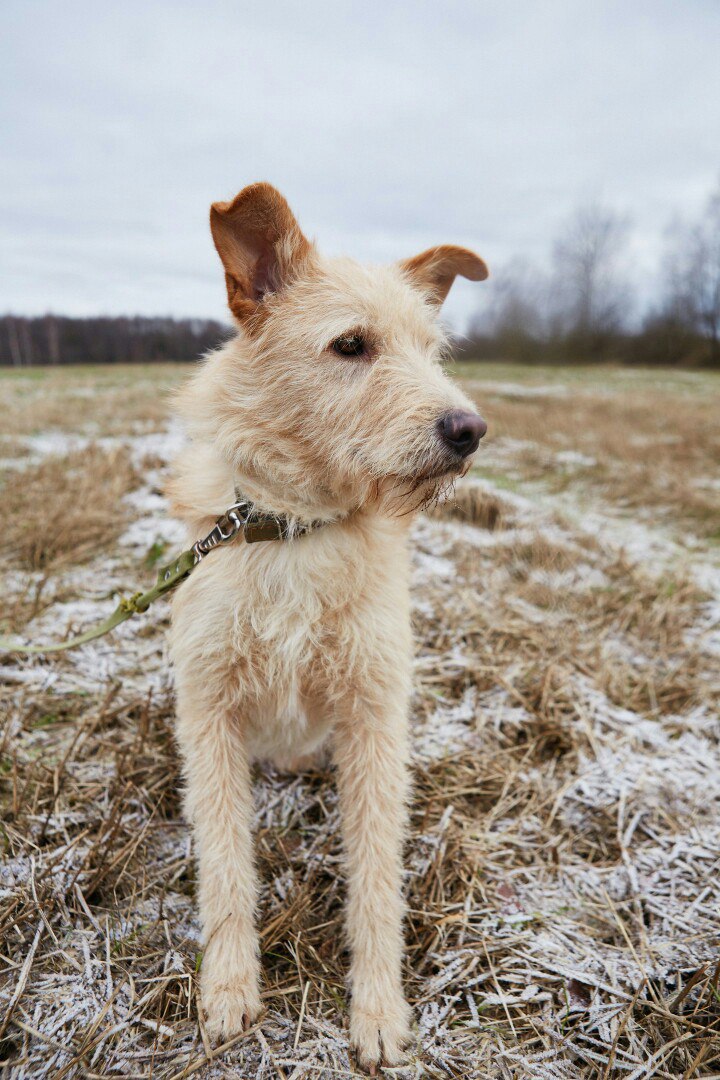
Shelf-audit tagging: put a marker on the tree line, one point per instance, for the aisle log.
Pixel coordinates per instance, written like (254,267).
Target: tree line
(579,308)
(582,306)
(57,339)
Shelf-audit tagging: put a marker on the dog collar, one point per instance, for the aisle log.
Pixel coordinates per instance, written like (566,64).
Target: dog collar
(244,518)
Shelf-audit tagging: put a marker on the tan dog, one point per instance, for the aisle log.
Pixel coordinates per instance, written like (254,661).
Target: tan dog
(329,406)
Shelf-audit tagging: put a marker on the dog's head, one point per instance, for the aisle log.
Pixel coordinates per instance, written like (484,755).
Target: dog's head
(337,395)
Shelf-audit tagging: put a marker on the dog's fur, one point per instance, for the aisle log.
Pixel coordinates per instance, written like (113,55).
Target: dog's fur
(282,647)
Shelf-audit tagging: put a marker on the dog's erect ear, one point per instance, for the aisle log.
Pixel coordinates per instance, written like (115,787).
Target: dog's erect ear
(260,244)
(434,270)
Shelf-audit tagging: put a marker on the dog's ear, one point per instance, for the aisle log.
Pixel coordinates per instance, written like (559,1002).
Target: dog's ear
(260,245)
(434,270)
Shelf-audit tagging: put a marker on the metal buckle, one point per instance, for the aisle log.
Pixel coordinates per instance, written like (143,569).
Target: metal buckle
(225,528)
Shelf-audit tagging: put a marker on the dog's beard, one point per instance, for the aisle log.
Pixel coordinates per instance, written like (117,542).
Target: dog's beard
(406,495)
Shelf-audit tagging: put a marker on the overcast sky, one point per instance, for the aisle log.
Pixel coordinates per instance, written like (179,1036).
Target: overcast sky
(388,126)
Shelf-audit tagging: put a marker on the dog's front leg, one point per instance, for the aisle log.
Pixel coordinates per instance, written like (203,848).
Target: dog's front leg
(371,753)
(219,805)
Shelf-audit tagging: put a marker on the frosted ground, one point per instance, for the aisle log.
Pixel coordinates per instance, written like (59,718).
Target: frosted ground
(563,863)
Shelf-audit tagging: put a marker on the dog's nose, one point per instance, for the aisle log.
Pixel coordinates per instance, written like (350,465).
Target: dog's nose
(462,431)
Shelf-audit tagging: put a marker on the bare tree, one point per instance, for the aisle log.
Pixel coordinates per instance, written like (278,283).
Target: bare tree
(14,341)
(578,310)
(591,298)
(694,290)
(53,339)
(516,302)
(583,308)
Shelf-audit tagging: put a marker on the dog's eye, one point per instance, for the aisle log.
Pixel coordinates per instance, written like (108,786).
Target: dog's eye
(349,345)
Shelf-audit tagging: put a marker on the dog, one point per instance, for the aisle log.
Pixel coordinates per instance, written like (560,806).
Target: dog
(329,408)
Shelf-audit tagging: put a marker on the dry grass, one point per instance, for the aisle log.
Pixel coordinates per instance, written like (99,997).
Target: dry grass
(66,509)
(563,861)
(107,400)
(476,506)
(643,447)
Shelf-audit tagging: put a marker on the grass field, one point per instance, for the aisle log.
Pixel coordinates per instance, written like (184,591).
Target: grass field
(564,861)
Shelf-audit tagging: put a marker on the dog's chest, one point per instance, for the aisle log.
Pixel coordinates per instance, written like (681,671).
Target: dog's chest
(309,615)
(286,629)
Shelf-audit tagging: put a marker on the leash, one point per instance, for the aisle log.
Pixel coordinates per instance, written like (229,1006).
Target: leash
(240,519)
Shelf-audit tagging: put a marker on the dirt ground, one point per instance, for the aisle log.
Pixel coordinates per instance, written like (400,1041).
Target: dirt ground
(564,860)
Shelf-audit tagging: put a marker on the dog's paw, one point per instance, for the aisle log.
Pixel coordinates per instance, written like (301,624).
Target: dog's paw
(380,1036)
(229,1008)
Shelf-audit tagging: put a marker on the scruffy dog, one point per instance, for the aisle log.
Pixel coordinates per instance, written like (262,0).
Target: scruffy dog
(328,407)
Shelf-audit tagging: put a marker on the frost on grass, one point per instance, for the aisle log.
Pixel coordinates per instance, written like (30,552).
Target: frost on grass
(562,867)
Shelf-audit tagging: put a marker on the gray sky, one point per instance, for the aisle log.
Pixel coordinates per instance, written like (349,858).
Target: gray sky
(388,126)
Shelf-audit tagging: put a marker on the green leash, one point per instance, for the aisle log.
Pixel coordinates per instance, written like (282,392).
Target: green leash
(168,577)
(241,519)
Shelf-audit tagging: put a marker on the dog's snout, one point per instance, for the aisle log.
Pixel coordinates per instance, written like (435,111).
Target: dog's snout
(462,431)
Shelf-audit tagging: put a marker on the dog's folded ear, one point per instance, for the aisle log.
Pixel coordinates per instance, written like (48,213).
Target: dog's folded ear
(260,244)
(434,270)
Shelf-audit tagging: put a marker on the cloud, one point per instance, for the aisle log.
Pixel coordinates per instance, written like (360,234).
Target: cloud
(389,127)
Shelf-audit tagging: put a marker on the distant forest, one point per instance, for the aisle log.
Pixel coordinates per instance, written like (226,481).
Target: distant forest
(55,339)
